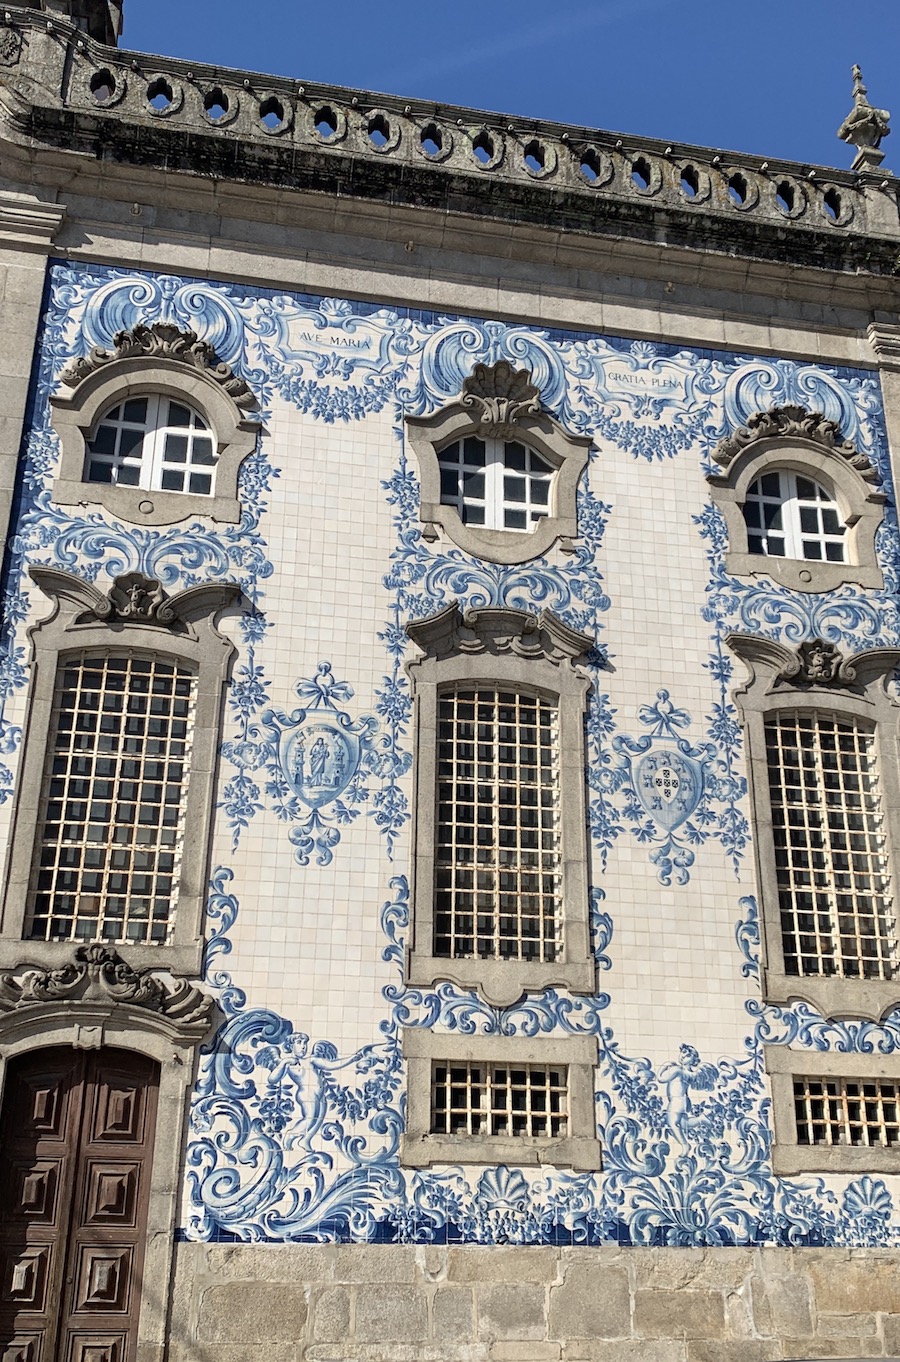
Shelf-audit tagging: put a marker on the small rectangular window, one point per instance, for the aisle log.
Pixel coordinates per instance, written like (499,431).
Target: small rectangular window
(847,1111)
(834,884)
(109,846)
(500,1099)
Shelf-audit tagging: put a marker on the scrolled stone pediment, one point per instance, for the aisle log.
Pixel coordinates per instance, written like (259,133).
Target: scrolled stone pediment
(163,340)
(498,630)
(99,975)
(794,423)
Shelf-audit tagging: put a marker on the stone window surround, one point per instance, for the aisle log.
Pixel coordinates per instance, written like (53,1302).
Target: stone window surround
(500,403)
(858,690)
(497,646)
(789,1157)
(170,1037)
(178,628)
(805,443)
(580,1149)
(97,385)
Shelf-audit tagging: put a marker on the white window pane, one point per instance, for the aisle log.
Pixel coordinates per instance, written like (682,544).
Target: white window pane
(790,516)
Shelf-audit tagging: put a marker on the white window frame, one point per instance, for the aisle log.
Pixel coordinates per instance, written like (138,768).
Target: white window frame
(150,455)
(495,472)
(791,505)
(156,359)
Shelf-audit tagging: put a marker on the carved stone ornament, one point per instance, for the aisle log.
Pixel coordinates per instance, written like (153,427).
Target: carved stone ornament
(499,396)
(10,46)
(162,340)
(136,599)
(498,630)
(865,127)
(817,663)
(100,975)
(791,422)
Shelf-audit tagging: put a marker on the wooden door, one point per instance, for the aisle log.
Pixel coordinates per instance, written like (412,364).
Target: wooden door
(76,1139)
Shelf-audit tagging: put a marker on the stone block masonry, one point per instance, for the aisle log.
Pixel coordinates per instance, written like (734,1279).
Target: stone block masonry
(361,1303)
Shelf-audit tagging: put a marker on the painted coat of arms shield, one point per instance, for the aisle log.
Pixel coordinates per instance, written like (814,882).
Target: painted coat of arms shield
(669,785)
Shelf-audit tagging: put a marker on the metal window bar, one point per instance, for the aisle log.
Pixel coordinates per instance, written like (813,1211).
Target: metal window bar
(109,846)
(847,1111)
(500,1099)
(834,883)
(498,864)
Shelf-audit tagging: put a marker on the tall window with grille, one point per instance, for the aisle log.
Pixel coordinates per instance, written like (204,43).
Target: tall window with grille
(834,882)
(109,846)
(497,866)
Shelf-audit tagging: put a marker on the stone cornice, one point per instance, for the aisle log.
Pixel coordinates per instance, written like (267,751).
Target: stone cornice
(29,226)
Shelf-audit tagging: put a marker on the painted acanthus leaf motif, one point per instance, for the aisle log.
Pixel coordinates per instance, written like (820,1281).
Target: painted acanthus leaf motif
(163,340)
(794,422)
(99,974)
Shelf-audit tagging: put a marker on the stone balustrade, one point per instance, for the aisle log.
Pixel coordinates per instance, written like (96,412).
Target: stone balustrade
(575,173)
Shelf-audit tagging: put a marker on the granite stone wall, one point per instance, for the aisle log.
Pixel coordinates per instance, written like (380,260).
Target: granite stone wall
(362,1303)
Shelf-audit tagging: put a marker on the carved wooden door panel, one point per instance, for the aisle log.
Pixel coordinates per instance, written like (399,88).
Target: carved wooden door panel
(77,1136)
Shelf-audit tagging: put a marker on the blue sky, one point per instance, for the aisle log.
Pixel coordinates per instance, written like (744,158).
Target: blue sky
(765,76)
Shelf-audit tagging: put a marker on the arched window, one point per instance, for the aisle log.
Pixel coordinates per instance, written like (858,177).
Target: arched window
(791,516)
(498,473)
(153,442)
(154,430)
(498,484)
(801,505)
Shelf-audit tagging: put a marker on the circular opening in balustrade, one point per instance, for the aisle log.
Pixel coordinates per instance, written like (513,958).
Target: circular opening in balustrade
(831,204)
(737,190)
(271,114)
(216,105)
(103,86)
(535,157)
(160,94)
(690,182)
(483,147)
(641,173)
(378,130)
(431,140)
(325,122)
(785,196)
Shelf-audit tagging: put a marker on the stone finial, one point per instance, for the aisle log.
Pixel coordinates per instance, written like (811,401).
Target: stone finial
(864,127)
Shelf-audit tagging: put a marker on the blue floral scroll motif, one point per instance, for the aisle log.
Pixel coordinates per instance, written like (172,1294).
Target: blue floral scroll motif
(668,787)
(318,760)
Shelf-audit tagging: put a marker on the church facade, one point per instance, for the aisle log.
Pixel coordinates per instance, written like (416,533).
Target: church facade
(448,729)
